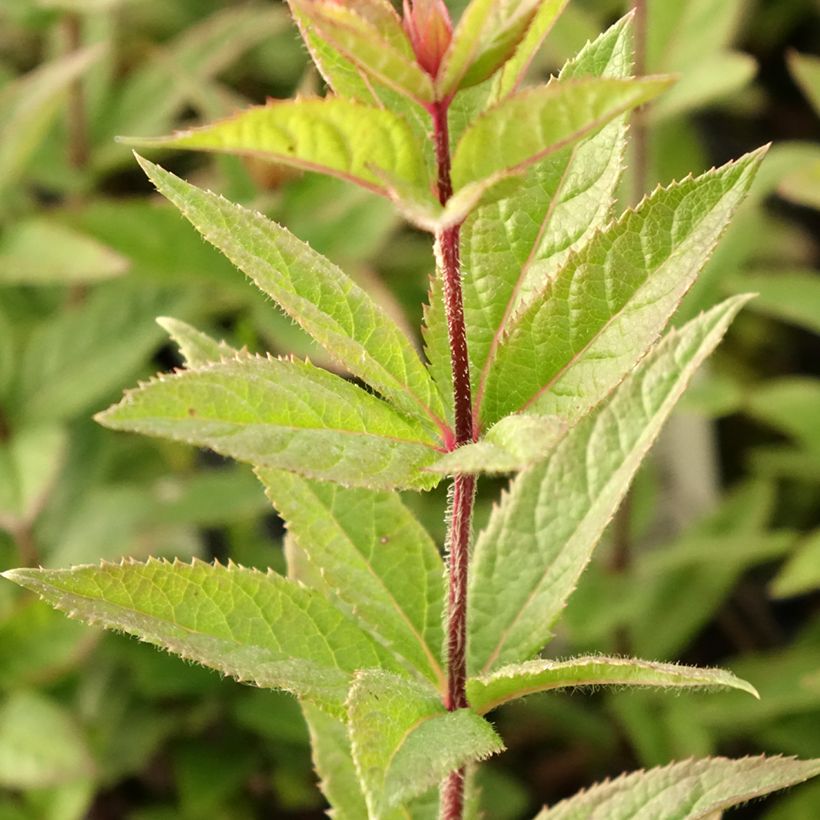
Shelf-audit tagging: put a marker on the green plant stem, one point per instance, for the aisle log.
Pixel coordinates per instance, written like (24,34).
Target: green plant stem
(640,132)
(463,491)
(76,120)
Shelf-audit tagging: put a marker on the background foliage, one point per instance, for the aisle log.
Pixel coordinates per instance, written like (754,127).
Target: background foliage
(716,560)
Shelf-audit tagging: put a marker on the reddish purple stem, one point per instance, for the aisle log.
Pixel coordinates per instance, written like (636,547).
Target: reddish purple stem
(452,794)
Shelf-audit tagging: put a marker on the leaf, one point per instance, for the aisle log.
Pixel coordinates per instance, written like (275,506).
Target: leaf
(373,553)
(486,35)
(532,124)
(707,82)
(801,186)
(329,305)
(404,741)
(38,645)
(540,537)
(256,627)
(28,107)
(791,405)
(338,781)
(805,68)
(149,98)
(511,74)
(377,47)
(512,444)
(30,461)
(510,682)
(43,252)
(196,347)
(801,574)
(513,246)
(284,414)
(336,136)
(578,338)
(78,357)
(791,296)
(333,761)
(691,790)
(40,745)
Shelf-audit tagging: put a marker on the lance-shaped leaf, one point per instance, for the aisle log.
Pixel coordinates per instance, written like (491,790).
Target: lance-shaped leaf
(404,741)
(256,627)
(691,790)
(197,348)
(333,761)
(347,80)
(540,537)
(29,105)
(486,35)
(532,124)
(313,291)
(512,73)
(801,573)
(805,68)
(371,550)
(338,780)
(372,39)
(512,246)
(600,313)
(44,252)
(283,414)
(336,136)
(512,444)
(519,680)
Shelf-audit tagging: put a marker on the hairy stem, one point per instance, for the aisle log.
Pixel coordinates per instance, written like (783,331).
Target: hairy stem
(461,513)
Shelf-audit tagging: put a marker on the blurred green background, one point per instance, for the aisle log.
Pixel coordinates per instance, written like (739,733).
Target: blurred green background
(714,560)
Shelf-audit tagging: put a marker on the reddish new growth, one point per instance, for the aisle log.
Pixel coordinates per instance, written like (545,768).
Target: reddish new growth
(429,29)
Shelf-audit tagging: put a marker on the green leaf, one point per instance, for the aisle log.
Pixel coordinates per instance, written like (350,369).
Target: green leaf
(329,305)
(708,81)
(256,627)
(510,682)
(486,36)
(30,461)
(149,98)
(692,790)
(512,73)
(513,246)
(578,338)
(336,136)
(805,68)
(29,105)
(80,356)
(43,252)
(37,644)
(372,552)
(541,536)
(801,186)
(512,444)
(404,740)
(792,296)
(284,414)
(532,124)
(377,47)
(40,745)
(801,574)
(791,405)
(196,347)
(338,780)
(333,761)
